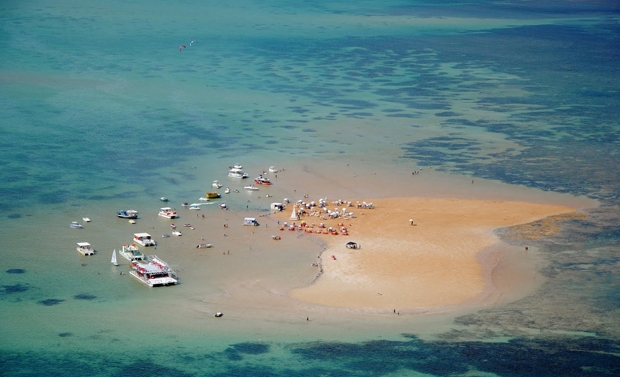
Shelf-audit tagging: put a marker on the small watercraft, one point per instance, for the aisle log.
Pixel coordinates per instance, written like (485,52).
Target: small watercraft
(75,225)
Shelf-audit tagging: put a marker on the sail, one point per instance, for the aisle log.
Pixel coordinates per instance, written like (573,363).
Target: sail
(114,258)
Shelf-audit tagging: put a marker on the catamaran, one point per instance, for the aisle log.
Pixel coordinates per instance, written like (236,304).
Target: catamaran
(154,273)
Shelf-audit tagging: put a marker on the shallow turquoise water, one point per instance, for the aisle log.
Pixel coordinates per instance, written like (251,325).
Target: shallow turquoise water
(100,110)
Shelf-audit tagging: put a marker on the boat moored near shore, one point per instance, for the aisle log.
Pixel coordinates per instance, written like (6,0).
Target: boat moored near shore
(154,273)
(131,253)
(84,248)
(237,173)
(127,214)
(168,213)
(144,239)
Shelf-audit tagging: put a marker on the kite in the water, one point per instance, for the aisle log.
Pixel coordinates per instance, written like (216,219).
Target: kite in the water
(181,48)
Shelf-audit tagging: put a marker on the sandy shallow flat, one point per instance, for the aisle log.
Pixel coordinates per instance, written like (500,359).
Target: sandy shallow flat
(444,259)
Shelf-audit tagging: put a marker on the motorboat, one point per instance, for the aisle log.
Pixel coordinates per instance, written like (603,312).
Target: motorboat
(272,169)
(154,273)
(168,213)
(203,199)
(213,195)
(131,253)
(127,214)
(176,233)
(163,199)
(75,225)
(132,221)
(237,166)
(218,314)
(84,248)
(165,235)
(86,219)
(260,180)
(144,239)
(216,184)
(204,246)
(251,188)
(237,173)
(227,191)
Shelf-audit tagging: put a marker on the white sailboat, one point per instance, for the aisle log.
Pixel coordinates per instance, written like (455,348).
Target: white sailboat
(114,262)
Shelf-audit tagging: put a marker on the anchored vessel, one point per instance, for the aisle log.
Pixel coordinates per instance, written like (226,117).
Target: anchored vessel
(144,239)
(85,249)
(131,253)
(154,273)
(127,214)
(168,213)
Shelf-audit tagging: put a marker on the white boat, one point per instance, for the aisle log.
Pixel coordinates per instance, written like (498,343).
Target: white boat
(163,199)
(154,273)
(127,214)
(86,219)
(168,213)
(113,261)
(272,169)
(85,249)
(237,173)
(203,199)
(75,225)
(251,188)
(195,208)
(144,239)
(176,233)
(227,191)
(132,221)
(237,166)
(216,184)
(204,246)
(131,253)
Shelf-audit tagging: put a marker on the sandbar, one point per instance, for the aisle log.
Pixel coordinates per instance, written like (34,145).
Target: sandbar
(443,258)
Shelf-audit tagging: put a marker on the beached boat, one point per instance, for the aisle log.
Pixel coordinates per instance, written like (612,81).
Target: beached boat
(272,169)
(251,188)
(154,273)
(168,213)
(260,180)
(85,249)
(131,253)
(75,225)
(212,195)
(144,239)
(237,173)
(114,261)
(216,184)
(127,214)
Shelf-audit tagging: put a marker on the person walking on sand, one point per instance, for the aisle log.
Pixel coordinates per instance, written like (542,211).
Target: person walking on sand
(411,221)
